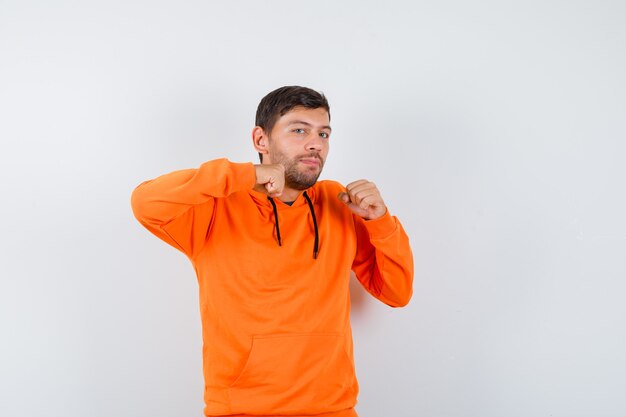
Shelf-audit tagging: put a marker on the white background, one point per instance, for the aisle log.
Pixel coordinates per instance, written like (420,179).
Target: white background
(495,130)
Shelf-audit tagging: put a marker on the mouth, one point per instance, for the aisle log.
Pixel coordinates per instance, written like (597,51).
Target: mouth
(311,161)
(314,161)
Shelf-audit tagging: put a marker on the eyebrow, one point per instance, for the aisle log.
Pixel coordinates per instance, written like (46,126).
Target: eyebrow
(300,122)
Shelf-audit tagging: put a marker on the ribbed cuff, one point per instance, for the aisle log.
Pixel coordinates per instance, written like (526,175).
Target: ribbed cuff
(381,227)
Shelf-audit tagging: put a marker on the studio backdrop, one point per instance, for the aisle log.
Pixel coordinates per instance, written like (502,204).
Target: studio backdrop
(494,130)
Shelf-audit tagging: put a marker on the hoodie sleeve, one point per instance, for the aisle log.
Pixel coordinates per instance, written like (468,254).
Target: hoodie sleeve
(178,207)
(384,260)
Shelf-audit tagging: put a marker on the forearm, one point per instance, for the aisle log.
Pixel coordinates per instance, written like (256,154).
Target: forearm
(177,207)
(384,263)
(164,198)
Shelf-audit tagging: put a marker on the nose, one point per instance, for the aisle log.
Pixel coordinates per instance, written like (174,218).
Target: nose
(314,143)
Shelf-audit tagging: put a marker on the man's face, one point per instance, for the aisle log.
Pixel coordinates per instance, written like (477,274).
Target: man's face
(299,142)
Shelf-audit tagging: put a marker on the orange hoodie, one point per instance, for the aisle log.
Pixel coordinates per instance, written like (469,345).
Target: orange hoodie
(275,320)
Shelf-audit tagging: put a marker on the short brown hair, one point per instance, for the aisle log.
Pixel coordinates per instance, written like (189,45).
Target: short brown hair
(280,101)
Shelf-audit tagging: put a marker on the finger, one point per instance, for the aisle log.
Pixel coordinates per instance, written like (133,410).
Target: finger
(372,201)
(344,197)
(357,210)
(364,203)
(369,196)
(355,183)
(357,188)
(352,190)
(272,190)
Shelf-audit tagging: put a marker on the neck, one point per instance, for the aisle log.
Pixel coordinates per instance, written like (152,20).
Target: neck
(289,194)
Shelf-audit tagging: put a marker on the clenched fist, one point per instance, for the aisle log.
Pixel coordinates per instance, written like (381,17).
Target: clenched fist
(363,198)
(270,179)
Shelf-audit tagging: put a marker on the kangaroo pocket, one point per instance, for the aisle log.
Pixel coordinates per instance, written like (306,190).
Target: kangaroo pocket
(295,373)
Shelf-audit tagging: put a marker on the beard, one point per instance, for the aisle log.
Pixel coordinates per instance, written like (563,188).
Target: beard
(295,178)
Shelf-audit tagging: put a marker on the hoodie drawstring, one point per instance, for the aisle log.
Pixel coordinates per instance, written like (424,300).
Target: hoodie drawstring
(317,236)
(280,242)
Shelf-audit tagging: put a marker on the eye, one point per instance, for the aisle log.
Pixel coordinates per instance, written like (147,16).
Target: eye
(299,130)
(324,135)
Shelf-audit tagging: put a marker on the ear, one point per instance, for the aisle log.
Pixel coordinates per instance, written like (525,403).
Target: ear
(260,141)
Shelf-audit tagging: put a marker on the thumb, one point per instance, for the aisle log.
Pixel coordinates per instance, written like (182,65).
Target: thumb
(344,198)
(272,189)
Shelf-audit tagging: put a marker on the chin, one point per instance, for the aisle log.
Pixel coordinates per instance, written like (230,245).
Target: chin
(302,183)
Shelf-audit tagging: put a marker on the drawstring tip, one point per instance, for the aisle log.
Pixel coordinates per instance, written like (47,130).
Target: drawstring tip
(315,254)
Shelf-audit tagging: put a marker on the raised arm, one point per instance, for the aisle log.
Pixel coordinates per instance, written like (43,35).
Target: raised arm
(178,207)
(384,261)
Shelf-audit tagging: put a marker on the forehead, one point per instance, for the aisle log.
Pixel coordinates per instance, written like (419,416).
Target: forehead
(316,117)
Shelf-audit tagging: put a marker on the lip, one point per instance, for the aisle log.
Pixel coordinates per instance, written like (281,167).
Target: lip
(310,161)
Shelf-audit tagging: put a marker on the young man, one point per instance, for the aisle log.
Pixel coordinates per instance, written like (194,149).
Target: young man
(273,249)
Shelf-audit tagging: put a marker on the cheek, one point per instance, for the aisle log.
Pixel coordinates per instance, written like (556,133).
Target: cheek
(325,149)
